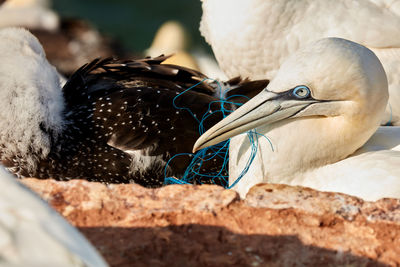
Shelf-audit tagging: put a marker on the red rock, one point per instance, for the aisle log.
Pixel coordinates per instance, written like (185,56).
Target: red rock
(276,225)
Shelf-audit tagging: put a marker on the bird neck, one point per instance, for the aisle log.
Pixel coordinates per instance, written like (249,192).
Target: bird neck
(298,146)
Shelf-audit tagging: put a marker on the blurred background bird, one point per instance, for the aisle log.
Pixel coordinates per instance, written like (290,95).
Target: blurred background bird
(69,42)
(33,14)
(131,30)
(173,39)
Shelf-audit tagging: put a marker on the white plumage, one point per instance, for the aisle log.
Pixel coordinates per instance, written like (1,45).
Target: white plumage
(321,139)
(32,102)
(252,38)
(172,39)
(32,234)
(32,14)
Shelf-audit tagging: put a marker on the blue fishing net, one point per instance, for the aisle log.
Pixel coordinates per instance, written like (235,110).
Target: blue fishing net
(195,172)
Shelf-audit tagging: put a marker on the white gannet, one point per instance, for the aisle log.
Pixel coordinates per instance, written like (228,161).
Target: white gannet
(69,42)
(33,234)
(172,38)
(252,38)
(33,14)
(323,105)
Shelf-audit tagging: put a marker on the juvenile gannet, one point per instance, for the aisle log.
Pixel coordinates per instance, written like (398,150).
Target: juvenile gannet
(113,121)
(323,105)
(252,38)
(33,234)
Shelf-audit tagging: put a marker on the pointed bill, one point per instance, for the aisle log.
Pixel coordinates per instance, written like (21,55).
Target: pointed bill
(265,108)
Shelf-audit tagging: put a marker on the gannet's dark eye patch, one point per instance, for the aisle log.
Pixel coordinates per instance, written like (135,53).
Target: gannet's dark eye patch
(301,92)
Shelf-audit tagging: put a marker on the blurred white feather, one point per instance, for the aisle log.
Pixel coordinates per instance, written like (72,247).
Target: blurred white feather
(33,234)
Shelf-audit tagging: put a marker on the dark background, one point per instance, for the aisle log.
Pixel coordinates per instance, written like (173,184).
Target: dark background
(133,22)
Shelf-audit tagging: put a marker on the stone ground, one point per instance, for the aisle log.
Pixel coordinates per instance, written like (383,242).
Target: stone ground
(275,225)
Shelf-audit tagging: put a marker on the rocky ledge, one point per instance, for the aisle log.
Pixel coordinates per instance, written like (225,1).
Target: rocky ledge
(276,225)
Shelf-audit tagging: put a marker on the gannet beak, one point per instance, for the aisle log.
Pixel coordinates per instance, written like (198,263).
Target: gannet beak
(265,108)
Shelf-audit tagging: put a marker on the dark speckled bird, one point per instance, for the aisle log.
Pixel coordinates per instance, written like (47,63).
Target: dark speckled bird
(114,121)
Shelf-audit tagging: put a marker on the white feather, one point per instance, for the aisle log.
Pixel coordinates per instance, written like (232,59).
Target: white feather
(33,234)
(328,142)
(252,38)
(31,97)
(32,14)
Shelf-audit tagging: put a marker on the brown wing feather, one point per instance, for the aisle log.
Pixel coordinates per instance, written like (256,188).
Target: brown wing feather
(135,104)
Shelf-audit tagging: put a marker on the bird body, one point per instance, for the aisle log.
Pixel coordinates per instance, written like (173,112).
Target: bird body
(172,39)
(113,121)
(369,173)
(33,14)
(314,121)
(253,38)
(33,234)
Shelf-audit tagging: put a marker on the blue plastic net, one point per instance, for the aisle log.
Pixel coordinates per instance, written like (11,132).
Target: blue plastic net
(195,172)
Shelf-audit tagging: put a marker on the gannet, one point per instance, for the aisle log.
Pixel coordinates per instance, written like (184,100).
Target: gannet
(113,121)
(172,39)
(313,121)
(33,14)
(252,38)
(33,234)
(74,43)
(68,42)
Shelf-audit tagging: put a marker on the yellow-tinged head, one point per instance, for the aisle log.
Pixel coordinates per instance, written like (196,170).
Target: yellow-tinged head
(335,81)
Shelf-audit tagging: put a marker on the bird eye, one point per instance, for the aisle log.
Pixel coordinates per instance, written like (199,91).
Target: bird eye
(301,91)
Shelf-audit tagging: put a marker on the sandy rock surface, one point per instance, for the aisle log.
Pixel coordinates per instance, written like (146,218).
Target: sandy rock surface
(275,225)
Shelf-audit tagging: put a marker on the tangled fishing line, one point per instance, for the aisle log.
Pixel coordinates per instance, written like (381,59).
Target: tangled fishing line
(193,173)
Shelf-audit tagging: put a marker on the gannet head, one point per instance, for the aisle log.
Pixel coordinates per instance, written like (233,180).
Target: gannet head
(31,102)
(330,78)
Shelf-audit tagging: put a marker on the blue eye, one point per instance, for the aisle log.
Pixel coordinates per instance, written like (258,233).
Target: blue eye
(301,91)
